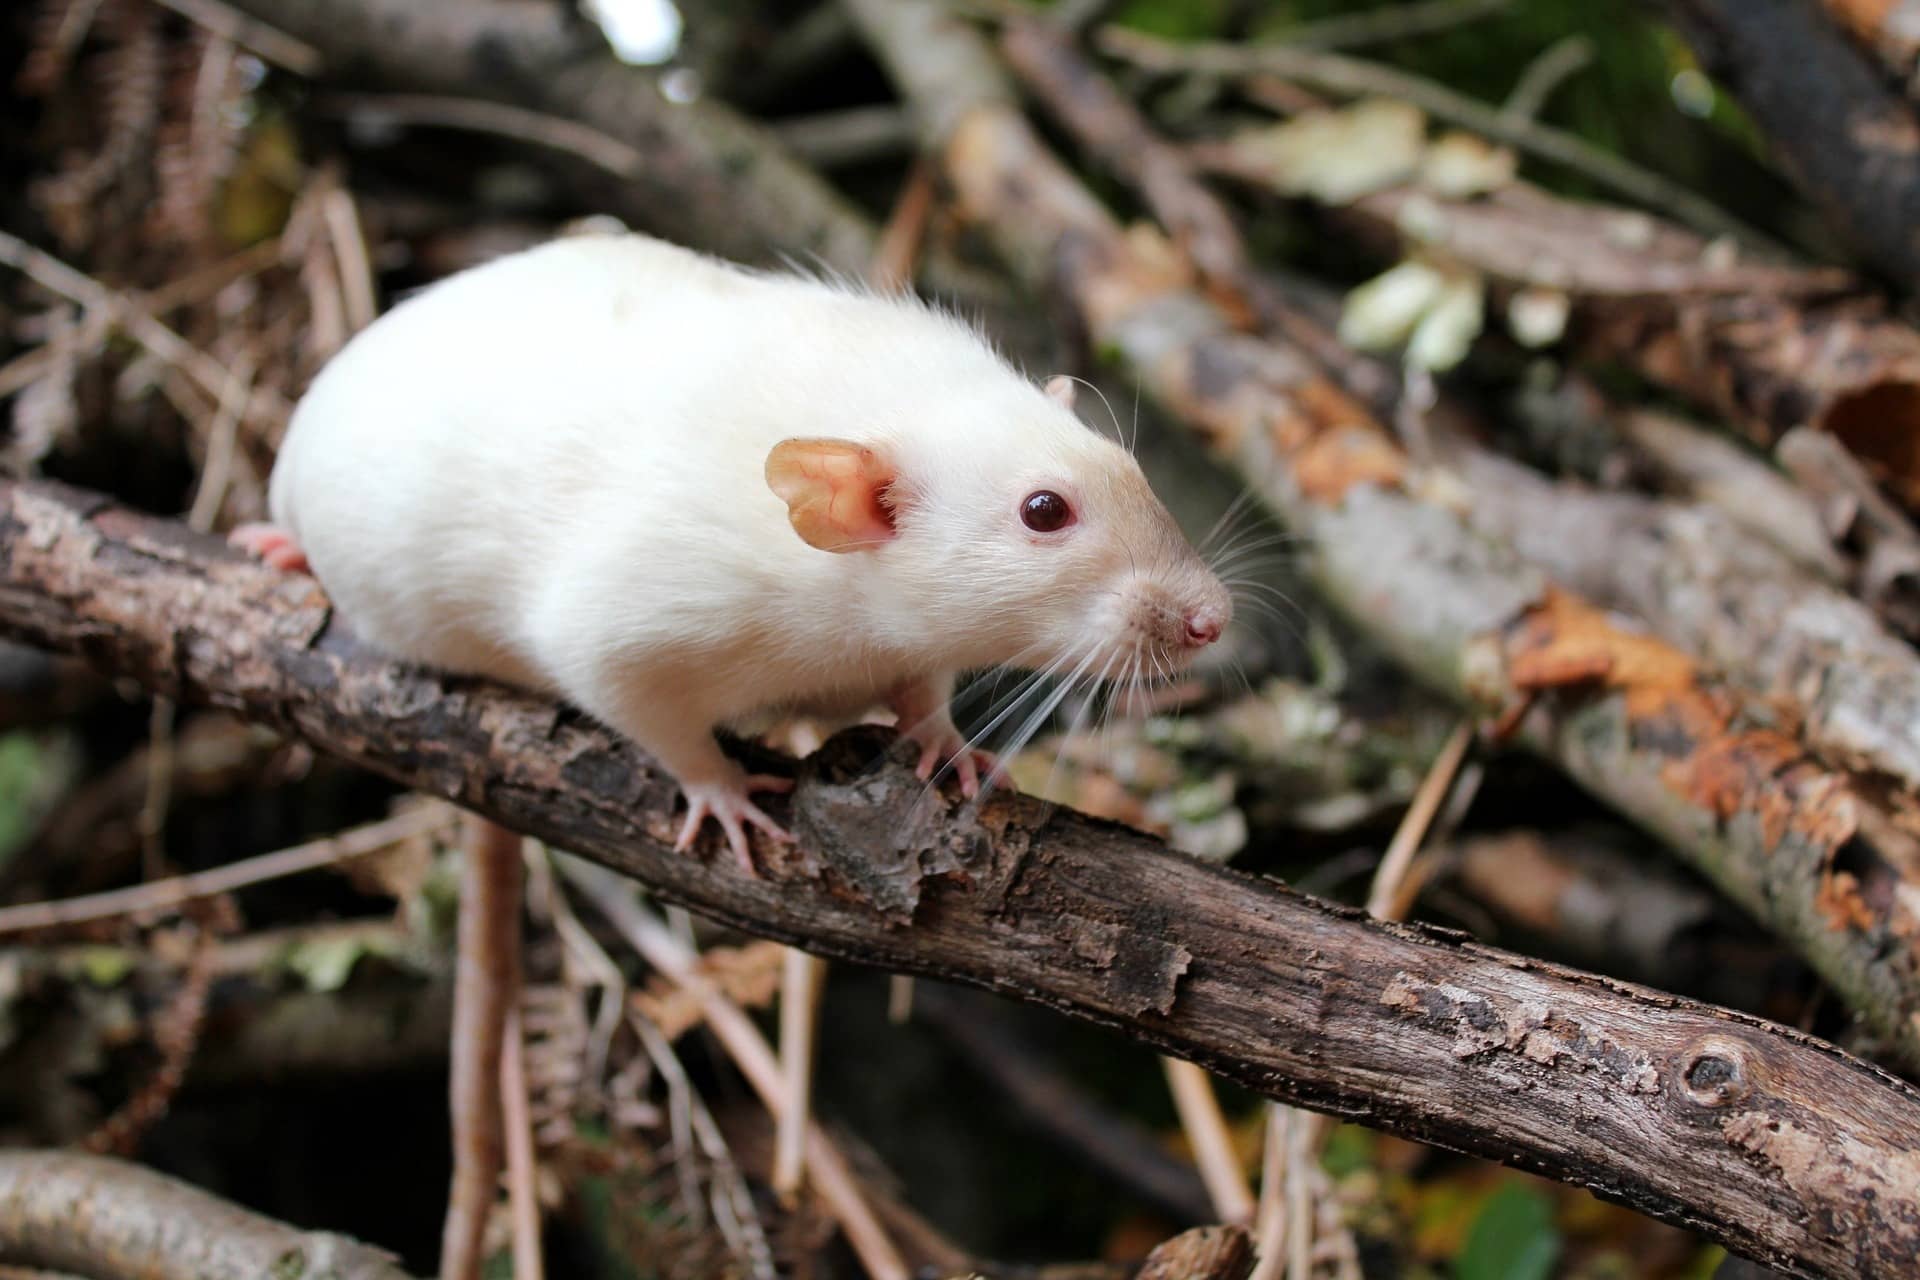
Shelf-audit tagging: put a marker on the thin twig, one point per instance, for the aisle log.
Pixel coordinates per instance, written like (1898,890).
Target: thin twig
(1335,73)
(1561,60)
(164,895)
(349,243)
(1270,1219)
(249,33)
(732,1203)
(1206,1129)
(216,473)
(1303,1140)
(523,1194)
(486,989)
(801,980)
(1413,826)
(1397,22)
(48,271)
(826,1168)
(602,150)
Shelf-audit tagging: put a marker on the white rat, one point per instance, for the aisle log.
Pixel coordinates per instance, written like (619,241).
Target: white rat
(683,495)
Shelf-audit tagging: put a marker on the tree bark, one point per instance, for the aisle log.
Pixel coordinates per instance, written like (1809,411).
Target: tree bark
(1773,1143)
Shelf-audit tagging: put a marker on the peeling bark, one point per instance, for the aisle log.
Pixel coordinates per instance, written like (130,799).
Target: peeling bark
(1634,720)
(1736,603)
(1411,1030)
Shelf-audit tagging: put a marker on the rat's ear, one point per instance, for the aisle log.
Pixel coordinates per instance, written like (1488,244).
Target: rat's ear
(836,492)
(1059,389)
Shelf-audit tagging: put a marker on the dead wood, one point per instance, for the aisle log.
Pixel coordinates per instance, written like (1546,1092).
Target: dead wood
(1692,461)
(108,1219)
(1631,718)
(1729,599)
(1850,140)
(1858,516)
(1204,1253)
(1778,1145)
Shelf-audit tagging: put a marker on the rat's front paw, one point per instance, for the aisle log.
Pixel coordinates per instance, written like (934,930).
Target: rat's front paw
(941,745)
(271,543)
(728,801)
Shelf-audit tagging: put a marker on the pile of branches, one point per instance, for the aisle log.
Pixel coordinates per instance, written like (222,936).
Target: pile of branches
(1700,616)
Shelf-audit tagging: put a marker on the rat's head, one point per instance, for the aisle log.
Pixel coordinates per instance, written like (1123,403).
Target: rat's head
(1014,534)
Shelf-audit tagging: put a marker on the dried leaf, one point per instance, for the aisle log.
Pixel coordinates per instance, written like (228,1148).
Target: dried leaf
(1335,156)
(1461,165)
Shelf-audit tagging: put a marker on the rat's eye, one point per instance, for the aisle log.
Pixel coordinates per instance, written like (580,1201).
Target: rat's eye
(1045,512)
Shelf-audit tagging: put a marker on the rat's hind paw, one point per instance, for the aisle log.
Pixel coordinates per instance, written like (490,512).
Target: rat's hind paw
(271,543)
(727,801)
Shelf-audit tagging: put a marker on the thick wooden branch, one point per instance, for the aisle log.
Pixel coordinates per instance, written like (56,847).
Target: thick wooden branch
(1822,862)
(1778,1145)
(109,1219)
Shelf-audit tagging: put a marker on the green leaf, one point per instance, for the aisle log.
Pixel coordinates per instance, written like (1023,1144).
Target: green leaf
(1513,1238)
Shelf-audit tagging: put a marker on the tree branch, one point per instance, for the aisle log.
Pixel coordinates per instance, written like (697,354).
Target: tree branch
(1754,1134)
(106,1218)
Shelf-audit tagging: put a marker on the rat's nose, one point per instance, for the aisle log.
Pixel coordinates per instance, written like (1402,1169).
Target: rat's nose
(1204,626)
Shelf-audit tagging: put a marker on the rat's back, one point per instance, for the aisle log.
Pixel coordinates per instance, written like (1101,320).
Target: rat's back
(455,454)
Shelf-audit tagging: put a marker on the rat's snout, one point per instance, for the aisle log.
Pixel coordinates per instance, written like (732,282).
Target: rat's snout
(1204,625)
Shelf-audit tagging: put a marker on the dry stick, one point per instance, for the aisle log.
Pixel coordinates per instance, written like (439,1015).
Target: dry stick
(44,269)
(1212,1141)
(486,986)
(832,1179)
(349,243)
(523,1195)
(801,980)
(1378,26)
(1270,1217)
(101,1217)
(1563,59)
(275,46)
(1333,73)
(474,115)
(1427,800)
(164,895)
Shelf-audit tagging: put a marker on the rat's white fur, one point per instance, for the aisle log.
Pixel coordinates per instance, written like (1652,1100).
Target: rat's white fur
(550,469)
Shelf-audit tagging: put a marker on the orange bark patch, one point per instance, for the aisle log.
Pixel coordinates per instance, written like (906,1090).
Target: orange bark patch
(1334,461)
(1716,764)
(1566,641)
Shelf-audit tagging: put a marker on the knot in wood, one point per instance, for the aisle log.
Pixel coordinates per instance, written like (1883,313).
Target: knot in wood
(1715,1074)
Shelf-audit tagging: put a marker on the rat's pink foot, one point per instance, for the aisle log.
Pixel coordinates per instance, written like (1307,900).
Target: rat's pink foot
(941,744)
(271,543)
(727,800)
